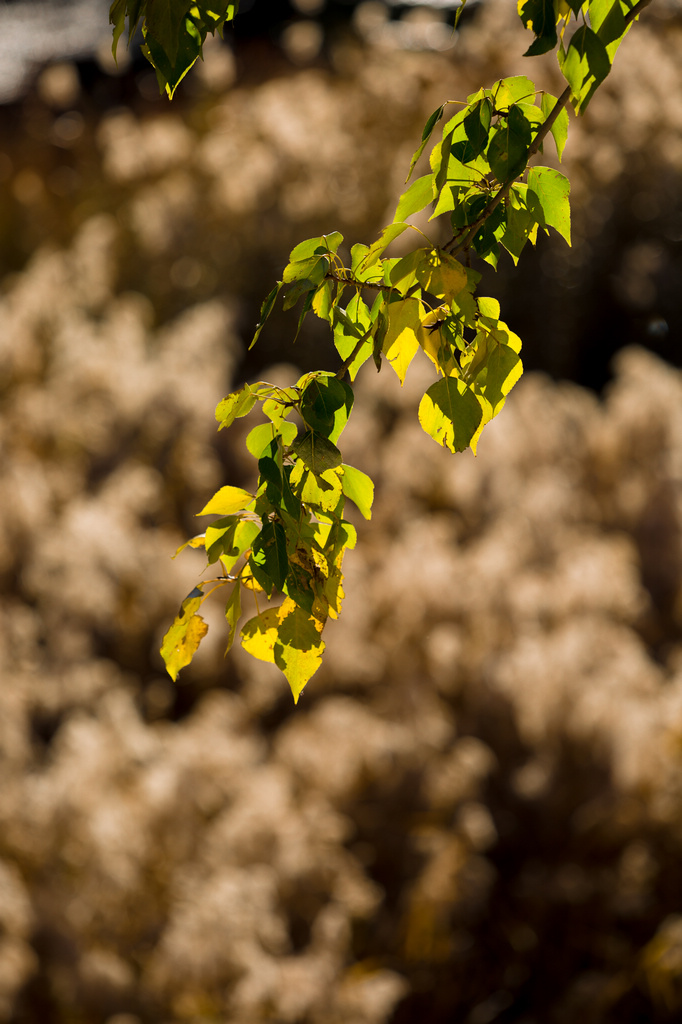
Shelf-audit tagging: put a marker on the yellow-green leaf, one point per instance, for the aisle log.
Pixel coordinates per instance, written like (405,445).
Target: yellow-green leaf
(450,413)
(184,636)
(289,638)
(359,488)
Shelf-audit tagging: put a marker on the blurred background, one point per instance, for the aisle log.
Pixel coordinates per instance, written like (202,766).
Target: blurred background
(475,812)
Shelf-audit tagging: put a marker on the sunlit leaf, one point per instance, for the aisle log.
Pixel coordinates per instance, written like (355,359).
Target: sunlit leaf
(401,341)
(418,196)
(584,66)
(289,638)
(547,199)
(450,413)
(359,488)
(184,636)
(238,404)
(233,613)
(227,501)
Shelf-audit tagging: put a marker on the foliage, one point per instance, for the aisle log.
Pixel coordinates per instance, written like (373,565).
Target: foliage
(287,539)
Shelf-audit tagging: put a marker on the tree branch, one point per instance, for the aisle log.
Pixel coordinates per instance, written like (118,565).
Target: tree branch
(458,243)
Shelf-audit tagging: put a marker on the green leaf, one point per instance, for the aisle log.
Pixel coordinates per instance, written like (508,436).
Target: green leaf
(268,561)
(426,135)
(169,73)
(317,453)
(261,436)
(350,326)
(359,488)
(388,235)
(513,90)
(311,270)
(238,404)
(233,613)
(540,17)
(585,66)
(547,199)
(559,129)
(521,225)
(238,543)
(418,196)
(508,150)
(226,502)
(165,24)
(608,21)
(316,246)
(477,127)
(265,311)
(450,413)
(219,536)
(117,18)
(185,634)
(325,405)
(289,638)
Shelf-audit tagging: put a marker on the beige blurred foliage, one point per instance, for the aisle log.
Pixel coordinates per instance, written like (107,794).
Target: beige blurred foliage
(486,771)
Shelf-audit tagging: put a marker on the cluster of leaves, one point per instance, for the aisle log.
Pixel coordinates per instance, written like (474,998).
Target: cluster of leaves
(288,539)
(174,32)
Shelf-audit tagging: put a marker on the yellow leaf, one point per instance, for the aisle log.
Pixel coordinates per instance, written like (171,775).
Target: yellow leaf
(184,636)
(227,501)
(290,639)
(403,334)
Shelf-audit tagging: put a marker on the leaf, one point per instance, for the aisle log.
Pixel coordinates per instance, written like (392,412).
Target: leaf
(608,21)
(289,638)
(388,235)
(508,149)
(265,311)
(521,225)
(418,196)
(359,488)
(261,436)
(219,536)
(185,634)
(320,245)
(238,404)
(317,453)
(547,199)
(350,326)
(169,73)
(325,405)
(117,18)
(450,413)
(233,613)
(441,274)
(584,66)
(311,270)
(401,341)
(268,560)
(540,17)
(559,129)
(477,127)
(241,540)
(165,22)
(227,501)
(426,135)
(513,90)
